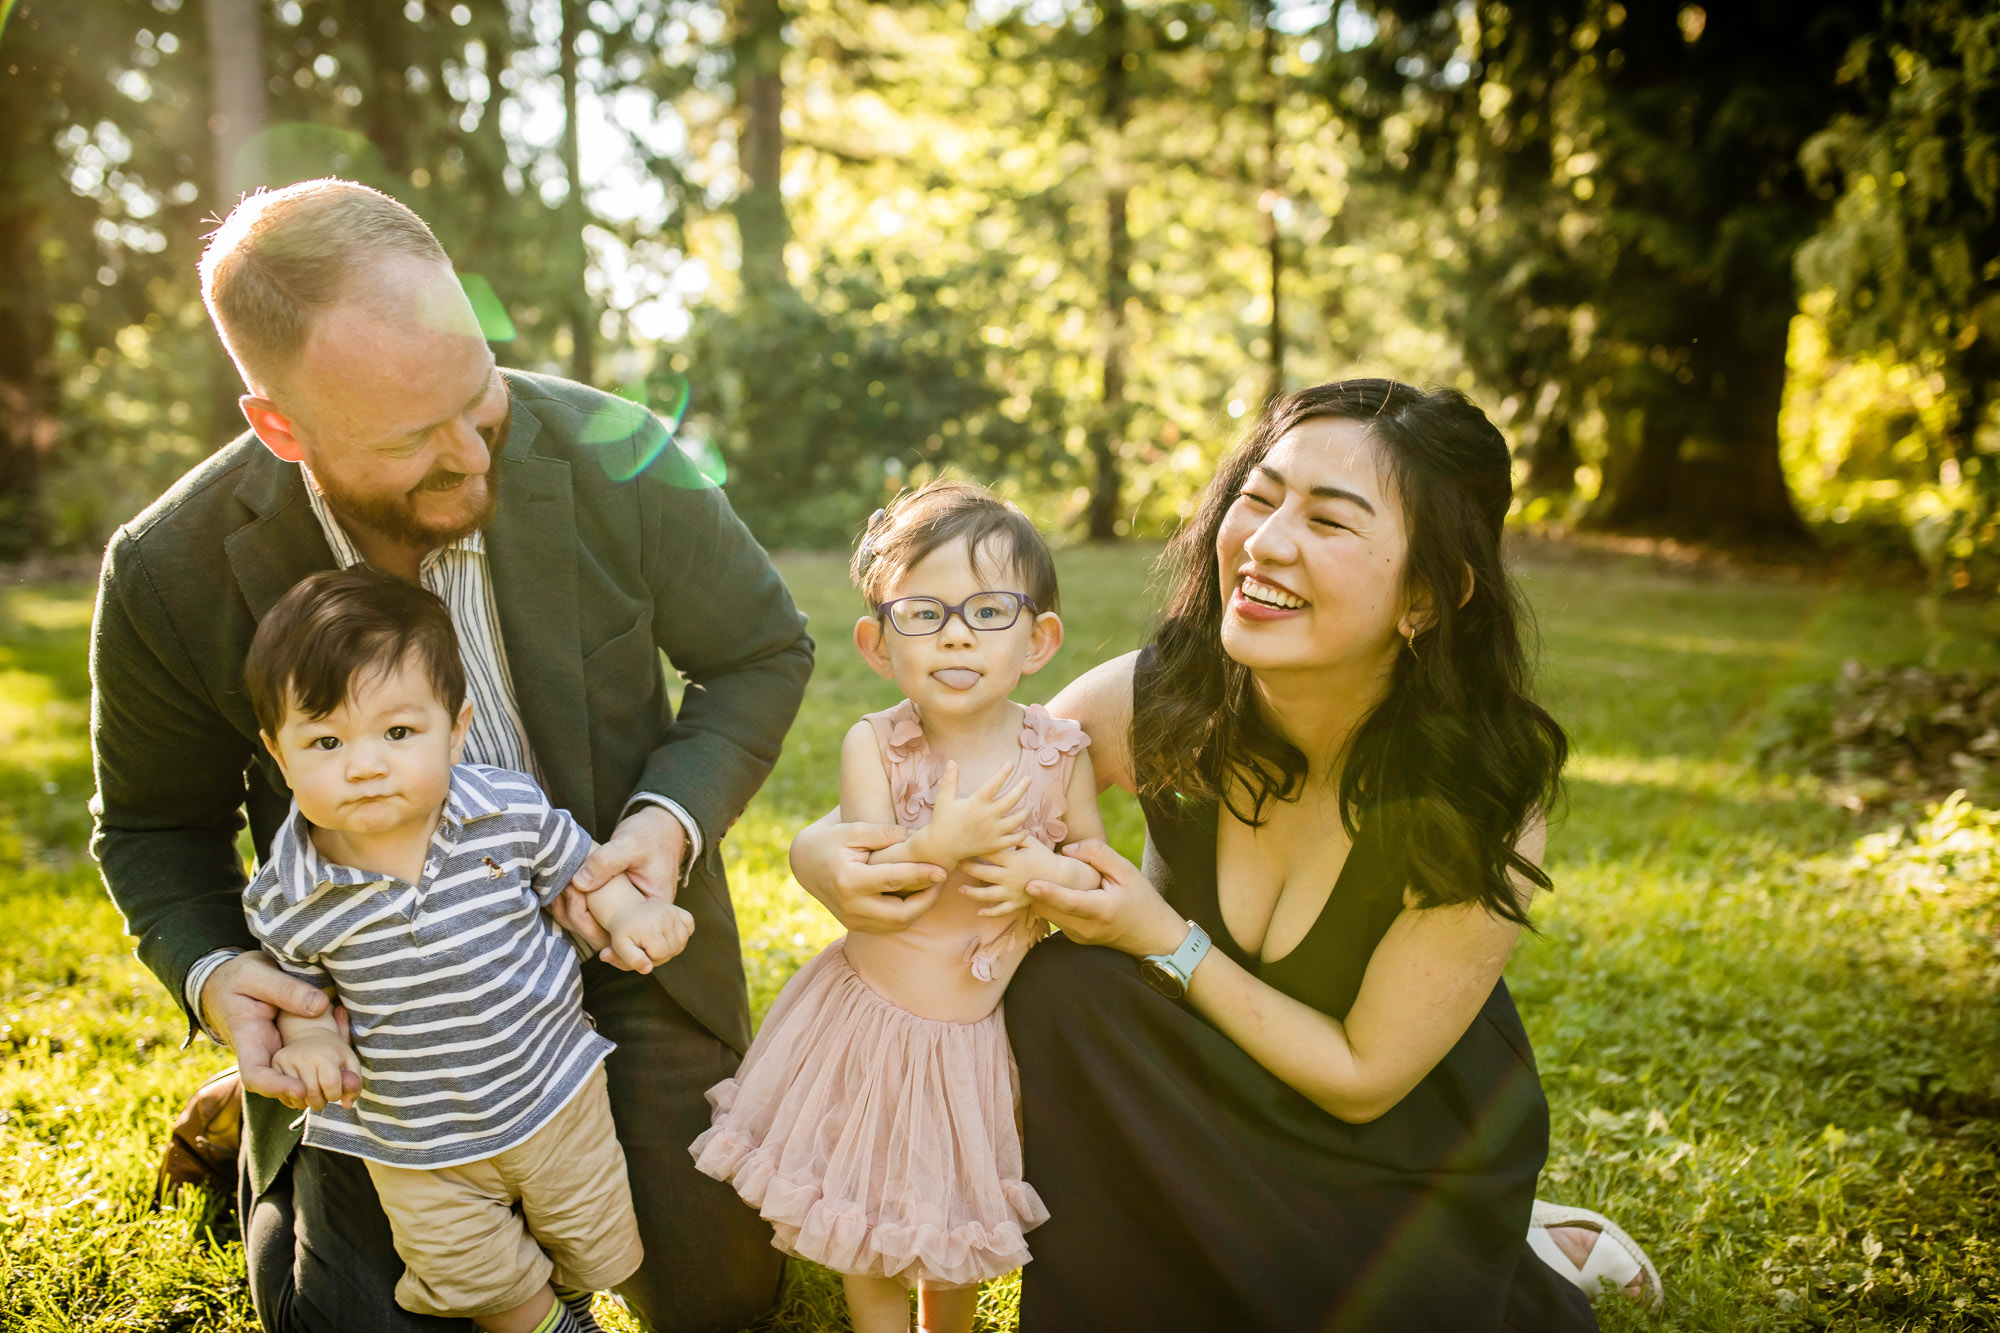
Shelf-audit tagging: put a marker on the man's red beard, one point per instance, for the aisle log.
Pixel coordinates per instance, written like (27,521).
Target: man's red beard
(395,517)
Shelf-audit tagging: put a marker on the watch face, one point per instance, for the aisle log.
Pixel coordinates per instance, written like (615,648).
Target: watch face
(1162,979)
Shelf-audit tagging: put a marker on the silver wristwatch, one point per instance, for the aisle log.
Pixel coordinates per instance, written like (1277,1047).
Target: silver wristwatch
(1169,973)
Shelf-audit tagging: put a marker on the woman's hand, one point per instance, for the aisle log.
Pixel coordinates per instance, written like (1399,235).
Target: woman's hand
(830,861)
(1125,912)
(1000,882)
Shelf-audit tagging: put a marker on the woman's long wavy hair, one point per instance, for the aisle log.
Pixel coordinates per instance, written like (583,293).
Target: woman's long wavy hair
(1449,768)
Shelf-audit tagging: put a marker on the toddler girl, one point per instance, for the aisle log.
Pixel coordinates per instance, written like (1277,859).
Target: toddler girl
(873,1121)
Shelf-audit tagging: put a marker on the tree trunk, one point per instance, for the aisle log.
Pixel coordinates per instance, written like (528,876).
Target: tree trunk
(236,92)
(27,431)
(761,225)
(1640,493)
(387,112)
(1729,489)
(582,317)
(1552,457)
(1754,471)
(1268,196)
(27,331)
(1107,435)
(236,117)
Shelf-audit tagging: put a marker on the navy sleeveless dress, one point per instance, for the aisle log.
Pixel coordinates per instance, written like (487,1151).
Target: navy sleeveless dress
(1189,1188)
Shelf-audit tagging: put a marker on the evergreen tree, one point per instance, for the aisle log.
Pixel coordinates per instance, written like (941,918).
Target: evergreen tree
(1911,254)
(1639,162)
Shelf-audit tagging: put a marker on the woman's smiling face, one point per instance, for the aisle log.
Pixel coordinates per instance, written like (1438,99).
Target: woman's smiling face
(1311,552)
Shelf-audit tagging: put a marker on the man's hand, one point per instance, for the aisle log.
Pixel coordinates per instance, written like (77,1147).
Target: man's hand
(830,861)
(321,1062)
(241,1000)
(646,848)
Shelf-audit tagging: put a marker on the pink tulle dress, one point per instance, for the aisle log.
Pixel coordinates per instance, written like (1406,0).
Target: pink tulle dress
(873,1122)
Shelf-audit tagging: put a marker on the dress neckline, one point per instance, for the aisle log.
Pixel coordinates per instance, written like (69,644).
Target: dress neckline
(1210,816)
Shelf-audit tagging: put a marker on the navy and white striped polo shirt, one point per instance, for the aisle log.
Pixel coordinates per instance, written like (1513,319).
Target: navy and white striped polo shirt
(465,998)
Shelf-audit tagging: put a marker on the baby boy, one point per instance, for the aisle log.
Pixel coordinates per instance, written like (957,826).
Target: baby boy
(413,887)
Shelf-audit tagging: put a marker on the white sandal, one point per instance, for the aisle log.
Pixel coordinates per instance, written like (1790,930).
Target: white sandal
(1615,1259)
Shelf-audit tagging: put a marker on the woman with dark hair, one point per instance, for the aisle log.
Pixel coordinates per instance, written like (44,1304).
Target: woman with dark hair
(1311,1103)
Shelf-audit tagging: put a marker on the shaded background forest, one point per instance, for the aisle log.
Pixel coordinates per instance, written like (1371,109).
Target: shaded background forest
(1729,273)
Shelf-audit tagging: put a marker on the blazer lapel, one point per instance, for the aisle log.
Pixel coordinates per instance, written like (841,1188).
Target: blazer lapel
(283,543)
(531,553)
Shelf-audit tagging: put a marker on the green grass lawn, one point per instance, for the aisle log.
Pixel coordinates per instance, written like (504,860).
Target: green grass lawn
(1777,1063)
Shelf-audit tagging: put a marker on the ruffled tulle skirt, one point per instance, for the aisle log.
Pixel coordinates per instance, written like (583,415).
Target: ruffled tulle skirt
(876,1142)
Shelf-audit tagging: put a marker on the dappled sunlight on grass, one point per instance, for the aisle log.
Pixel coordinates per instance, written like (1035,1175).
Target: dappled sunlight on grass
(1692,643)
(1679,772)
(55,608)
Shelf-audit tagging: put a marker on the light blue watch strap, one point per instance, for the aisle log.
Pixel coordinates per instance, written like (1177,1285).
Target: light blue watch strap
(1170,973)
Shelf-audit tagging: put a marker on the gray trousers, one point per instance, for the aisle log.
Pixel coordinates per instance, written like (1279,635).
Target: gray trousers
(318,1245)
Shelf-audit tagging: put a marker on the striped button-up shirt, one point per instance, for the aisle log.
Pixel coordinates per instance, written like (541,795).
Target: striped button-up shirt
(465,1000)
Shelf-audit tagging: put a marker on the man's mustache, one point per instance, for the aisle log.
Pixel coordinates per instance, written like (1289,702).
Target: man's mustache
(442,481)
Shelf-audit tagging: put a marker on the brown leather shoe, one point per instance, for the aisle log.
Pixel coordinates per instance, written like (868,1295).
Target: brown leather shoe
(206,1136)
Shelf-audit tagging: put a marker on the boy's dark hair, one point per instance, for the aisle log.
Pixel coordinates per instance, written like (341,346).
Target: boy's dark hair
(338,624)
(938,513)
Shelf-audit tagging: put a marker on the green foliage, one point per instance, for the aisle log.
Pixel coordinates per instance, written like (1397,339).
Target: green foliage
(823,411)
(1909,263)
(1583,212)
(1892,735)
(101,346)
(1950,861)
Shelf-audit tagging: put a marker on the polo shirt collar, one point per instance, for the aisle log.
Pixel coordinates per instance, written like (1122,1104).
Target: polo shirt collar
(471,796)
(301,870)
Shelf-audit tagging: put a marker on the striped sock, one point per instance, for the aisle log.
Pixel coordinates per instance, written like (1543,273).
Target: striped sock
(578,1305)
(557,1320)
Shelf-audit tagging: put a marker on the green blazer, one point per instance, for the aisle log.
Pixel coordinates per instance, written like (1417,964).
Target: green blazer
(593,576)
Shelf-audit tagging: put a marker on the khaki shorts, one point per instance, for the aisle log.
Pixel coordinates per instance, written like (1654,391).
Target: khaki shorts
(468,1252)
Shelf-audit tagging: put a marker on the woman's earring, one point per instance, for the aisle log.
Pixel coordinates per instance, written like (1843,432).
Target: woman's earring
(1410,637)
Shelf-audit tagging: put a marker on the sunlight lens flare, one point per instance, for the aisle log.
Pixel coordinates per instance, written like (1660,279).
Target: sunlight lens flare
(494,326)
(638,435)
(294,150)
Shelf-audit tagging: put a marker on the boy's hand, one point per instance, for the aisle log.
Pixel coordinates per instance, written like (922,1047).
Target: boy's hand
(647,932)
(1004,877)
(320,1061)
(241,1000)
(963,827)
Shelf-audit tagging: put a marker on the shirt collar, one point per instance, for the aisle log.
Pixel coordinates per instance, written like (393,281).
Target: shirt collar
(471,796)
(346,552)
(301,871)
